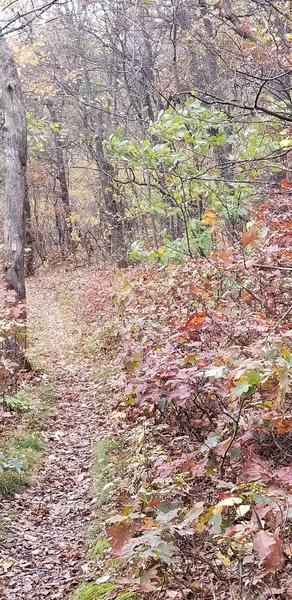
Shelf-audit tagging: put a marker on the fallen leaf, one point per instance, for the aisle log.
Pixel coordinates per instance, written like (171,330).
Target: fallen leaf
(250,237)
(7,564)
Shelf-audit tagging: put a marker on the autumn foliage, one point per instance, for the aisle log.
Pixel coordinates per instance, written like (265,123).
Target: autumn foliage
(204,386)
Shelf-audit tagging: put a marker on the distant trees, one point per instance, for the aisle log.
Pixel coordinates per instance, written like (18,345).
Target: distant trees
(17,222)
(95,67)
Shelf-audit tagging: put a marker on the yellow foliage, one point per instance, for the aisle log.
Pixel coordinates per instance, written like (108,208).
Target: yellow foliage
(209,217)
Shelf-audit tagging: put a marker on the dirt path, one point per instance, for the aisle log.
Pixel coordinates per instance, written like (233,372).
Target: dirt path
(46,523)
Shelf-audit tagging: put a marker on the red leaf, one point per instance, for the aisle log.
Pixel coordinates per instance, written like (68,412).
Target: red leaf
(285,183)
(268,547)
(119,534)
(256,470)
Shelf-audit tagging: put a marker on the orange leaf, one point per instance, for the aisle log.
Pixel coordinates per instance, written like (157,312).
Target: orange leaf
(283,425)
(250,237)
(194,320)
(225,255)
(285,183)
(149,522)
(209,217)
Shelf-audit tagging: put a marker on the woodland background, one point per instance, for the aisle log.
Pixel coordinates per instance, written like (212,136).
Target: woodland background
(159,215)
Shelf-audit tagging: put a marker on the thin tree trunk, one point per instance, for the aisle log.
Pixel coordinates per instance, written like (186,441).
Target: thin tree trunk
(62,178)
(29,239)
(15,188)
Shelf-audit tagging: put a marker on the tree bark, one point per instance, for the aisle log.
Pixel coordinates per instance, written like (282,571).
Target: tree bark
(15,190)
(63,218)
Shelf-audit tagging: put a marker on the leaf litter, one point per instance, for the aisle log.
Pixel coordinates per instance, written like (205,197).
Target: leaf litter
(45,544)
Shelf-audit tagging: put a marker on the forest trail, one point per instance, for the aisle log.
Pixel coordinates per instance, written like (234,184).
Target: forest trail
(45,538)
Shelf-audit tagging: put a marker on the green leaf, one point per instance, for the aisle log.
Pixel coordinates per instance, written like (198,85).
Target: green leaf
(216,521)
(241,388)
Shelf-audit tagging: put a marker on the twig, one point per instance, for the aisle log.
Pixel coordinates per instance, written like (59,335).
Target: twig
(280,447)
(233,436)
(208,562)
(276,267)
(280,320)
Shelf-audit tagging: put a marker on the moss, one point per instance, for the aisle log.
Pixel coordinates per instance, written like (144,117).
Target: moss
(92,591)
(100,546)
(127,596)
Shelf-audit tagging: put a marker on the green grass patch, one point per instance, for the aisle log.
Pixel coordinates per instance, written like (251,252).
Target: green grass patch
(104,470)
(103,374)
(11,482)
(92,591)
(100,546)
(31,442)
(18,458)
(2,530)
(47,394)
(20,454)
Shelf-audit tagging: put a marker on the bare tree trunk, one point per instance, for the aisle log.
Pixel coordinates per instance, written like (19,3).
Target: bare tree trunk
(29,239)
(15,187)
(113,208)
(64,220)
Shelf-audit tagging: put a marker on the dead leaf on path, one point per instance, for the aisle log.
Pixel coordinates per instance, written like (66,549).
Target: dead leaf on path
(7,564)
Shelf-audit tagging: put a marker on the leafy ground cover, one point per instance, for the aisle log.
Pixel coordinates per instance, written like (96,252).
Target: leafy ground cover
(167,468)
(199,361)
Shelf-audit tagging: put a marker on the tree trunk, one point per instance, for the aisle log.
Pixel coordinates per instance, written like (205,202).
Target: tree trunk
(64,225)
(29,239)
(15,188)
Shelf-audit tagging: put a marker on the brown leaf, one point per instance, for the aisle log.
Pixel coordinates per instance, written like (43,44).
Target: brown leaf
(284,474)
(284,424)
(250,237)
(150,581)
(268,547)
(119,534)
(256,470)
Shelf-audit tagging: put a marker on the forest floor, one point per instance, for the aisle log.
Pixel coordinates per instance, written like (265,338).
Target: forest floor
(45,523)
(166,470)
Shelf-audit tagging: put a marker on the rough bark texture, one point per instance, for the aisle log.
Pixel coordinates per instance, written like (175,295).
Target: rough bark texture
(16,198)
(16,160)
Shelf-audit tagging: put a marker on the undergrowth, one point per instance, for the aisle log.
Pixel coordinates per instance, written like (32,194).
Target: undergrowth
(200,370)
(22,446)
(92,591)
